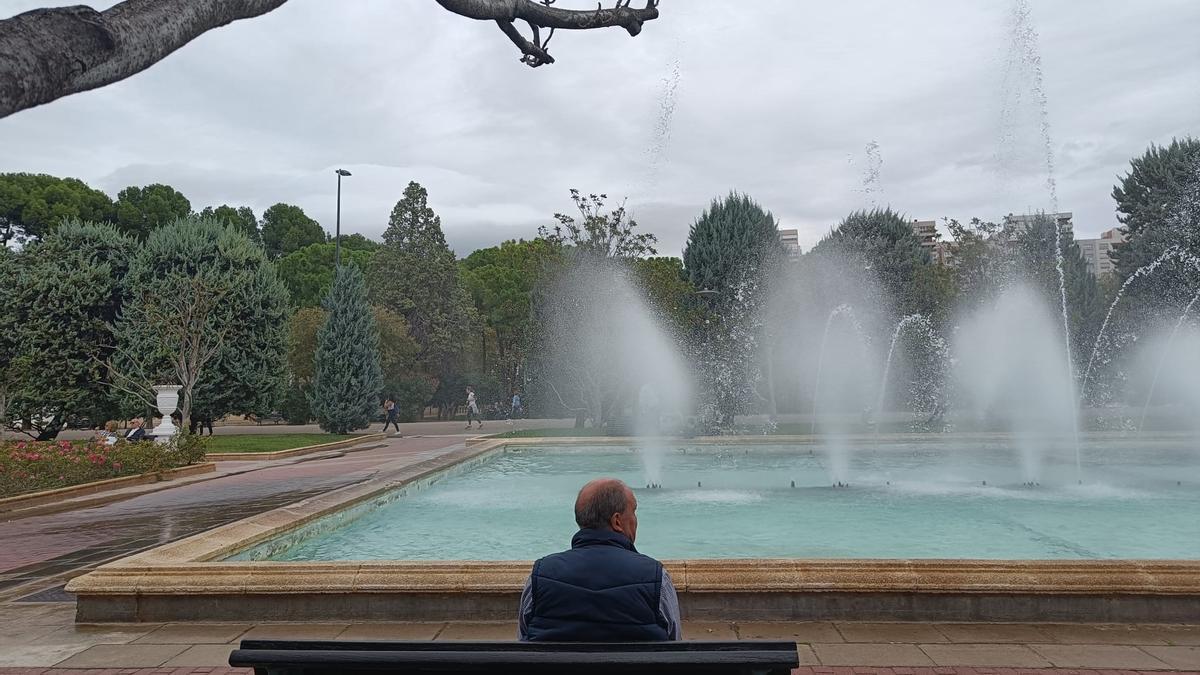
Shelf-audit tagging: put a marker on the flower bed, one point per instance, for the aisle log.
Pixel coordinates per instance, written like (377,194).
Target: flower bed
(30,466)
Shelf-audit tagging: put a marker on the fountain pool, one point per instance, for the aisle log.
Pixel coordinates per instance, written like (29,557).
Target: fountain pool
(958,497)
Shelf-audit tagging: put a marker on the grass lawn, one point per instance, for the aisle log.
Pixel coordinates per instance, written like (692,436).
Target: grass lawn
(549,433)
(268,442)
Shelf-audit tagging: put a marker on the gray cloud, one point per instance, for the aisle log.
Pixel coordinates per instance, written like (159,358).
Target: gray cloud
(777,99)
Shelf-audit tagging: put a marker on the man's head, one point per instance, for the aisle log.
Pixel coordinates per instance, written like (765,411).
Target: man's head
(607,504)
(135,422)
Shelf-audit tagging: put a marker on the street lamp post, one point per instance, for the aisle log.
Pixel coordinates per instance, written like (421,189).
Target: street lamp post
(337,235)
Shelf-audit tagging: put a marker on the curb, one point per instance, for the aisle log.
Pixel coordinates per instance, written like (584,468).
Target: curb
(58,495)
(292,452)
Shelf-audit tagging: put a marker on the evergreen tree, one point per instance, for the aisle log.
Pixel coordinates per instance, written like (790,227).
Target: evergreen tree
(415,275)
(733,250)
(732,242)
(31,205)
(241,219)
(286,228)
(139,210)
(65,296)
(1158,202)
(882,242)
(347,377)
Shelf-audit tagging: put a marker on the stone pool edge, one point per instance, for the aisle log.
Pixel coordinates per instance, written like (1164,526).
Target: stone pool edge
(183,580)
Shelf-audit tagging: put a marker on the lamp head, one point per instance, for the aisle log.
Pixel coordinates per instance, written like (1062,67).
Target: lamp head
(342,172)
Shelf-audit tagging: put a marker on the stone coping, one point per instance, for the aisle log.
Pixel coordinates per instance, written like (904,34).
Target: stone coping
(291,452)
(32,499)
(816,439)
(197,567)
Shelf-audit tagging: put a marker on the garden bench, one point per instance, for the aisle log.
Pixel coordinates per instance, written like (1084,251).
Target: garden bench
(325,657)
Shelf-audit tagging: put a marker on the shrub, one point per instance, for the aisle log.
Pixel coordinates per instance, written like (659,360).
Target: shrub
(30,466)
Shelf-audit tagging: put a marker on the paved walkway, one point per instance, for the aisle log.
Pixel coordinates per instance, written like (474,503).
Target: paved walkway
(41,636)
(39,552)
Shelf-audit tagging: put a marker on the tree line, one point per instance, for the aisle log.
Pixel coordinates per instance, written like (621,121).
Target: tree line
(102,298)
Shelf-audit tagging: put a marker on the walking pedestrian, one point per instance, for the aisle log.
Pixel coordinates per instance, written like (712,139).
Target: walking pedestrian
(517,409)
(473,408)
(389,408)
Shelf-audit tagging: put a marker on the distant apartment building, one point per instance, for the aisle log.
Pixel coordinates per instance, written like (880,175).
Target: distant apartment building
(1016,224)
(940,252)
(791,241)
(1096,252)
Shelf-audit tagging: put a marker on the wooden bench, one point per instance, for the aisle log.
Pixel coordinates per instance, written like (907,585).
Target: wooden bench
(326,657)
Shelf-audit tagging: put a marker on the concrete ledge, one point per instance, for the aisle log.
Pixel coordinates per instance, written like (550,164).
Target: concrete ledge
(26,501)
(292,452)
(191,580)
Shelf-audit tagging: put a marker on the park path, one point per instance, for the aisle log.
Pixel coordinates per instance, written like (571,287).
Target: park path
(49,549)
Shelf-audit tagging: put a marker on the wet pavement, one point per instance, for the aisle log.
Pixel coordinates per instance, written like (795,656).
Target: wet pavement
(39,553)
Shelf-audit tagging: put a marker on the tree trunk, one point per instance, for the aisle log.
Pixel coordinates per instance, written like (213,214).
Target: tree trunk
(50,431)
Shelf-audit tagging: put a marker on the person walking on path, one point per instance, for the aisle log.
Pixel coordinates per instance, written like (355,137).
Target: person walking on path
(473,408)
(517,409)
(389,407)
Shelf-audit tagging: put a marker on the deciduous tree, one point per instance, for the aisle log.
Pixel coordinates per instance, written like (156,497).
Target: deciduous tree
(241,219)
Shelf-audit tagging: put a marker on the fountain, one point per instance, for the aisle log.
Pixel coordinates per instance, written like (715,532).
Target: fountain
(1163,359)
(612,358)
(1017,379)
(935,340)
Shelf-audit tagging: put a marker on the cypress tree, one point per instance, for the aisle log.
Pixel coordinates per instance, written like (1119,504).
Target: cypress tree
(347,377)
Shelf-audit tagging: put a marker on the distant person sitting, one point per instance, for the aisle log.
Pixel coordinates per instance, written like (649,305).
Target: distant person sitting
(602,589)
(136,432)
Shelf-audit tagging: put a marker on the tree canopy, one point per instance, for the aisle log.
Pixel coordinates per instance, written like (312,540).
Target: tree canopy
(32,205)
(308,272)
(139,210)
(240,218)
(286,229)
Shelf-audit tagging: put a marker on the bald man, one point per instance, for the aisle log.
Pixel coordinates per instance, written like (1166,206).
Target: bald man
(601,589)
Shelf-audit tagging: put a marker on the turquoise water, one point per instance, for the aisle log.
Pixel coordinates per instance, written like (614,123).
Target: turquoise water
(905,500)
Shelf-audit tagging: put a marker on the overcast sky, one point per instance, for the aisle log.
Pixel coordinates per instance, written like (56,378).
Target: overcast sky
(776,98)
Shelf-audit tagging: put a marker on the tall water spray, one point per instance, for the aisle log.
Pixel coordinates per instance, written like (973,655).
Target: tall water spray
(611,356)
(1173,253)
(836,450)
(932,338)
(1010,369)
(1023,75)
(1163,359)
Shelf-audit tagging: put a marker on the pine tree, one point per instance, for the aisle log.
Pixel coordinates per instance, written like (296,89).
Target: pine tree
(415,275)
(347,377)
(881,241)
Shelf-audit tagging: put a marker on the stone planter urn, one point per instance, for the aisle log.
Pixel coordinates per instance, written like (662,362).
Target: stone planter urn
(168,401)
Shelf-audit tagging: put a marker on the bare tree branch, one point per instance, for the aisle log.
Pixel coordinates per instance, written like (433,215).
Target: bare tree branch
(542,15)
(46,54)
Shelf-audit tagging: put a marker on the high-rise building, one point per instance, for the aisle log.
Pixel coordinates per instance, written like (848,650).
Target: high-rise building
(1095,252)
(791,241)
